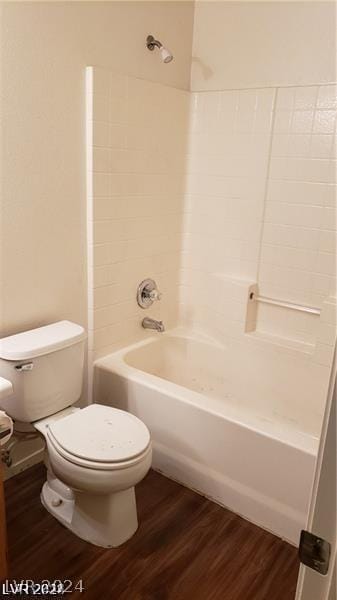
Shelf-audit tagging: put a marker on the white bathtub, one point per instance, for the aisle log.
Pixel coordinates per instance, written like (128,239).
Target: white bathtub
(214,428)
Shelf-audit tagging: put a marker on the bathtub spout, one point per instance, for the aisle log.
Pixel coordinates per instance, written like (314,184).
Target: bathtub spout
(148,323)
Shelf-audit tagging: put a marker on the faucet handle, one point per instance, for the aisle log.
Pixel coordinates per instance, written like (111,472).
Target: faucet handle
(147,293)
(154,295)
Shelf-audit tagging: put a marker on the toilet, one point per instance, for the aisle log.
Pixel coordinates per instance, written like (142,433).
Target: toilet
(94,455)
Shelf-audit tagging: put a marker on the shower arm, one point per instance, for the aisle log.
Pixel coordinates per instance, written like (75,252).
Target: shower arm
(152,43)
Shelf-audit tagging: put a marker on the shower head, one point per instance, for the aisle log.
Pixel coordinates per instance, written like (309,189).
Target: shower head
(166,55)
(152,43)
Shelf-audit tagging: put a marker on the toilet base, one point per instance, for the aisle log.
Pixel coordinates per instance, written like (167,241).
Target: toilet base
(103,520)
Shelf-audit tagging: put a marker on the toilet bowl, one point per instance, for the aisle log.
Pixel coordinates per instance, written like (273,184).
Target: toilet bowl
(95,456)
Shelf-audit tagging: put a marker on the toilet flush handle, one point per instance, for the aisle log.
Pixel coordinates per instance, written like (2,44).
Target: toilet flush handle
(24,367)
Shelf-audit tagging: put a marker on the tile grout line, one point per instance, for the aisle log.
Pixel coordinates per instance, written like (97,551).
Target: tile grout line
(265,87)
(266,187)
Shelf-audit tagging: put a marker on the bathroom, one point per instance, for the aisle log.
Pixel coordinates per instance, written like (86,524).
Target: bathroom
(168,240)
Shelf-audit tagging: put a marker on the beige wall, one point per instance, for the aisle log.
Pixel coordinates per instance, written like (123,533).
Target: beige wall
(261,44)
(45,49)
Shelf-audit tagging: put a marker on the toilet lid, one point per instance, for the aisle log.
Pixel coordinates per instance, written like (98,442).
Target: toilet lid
(101,434)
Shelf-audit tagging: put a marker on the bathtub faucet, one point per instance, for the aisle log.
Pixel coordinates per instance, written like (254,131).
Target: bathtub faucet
(148,323)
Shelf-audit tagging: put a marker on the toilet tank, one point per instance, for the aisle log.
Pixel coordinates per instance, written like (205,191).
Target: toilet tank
(45,367)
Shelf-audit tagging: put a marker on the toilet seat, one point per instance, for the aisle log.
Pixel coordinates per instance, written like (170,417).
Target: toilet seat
(96,466)
(100,437)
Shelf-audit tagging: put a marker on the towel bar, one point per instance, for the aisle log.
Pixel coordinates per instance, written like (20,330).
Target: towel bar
(265,300)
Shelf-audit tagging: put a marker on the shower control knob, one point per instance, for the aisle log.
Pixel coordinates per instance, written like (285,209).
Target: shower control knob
(154,295)
(147,293)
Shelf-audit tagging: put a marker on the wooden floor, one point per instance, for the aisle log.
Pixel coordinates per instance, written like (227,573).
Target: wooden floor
(186,548)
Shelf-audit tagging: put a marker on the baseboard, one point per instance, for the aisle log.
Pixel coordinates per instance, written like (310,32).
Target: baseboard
(23,464)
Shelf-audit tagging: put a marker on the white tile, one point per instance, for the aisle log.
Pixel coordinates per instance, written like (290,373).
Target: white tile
(326,334)
(278,168)
(321,146)
(299,146)
(117,111)
(327,241)
(327,96)
(325,121)
(323,284)
(101,133)
(329,313)
(302,121)
(107,274)
(245,120)
(102,255)
(325,263)
(101,184)
(100,81)
(118,86)
(117,136)
(247,100)
(285,98)
(305,97)
(307,238)
(100,107)
(263,121)
(283,120)
(280,145)
(101,160)
(328,218)
(323,354)
(107,231)
(265,99)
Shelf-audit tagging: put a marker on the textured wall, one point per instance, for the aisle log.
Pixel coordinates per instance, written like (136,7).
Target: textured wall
(263,44)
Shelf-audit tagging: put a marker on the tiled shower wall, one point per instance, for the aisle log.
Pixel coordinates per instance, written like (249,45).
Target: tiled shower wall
(260,216)
(261,208)
(227,172)
(298,247)
(211,193)
(136,149)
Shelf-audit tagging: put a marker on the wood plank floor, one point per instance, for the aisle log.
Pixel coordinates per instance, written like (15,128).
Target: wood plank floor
(186,548)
